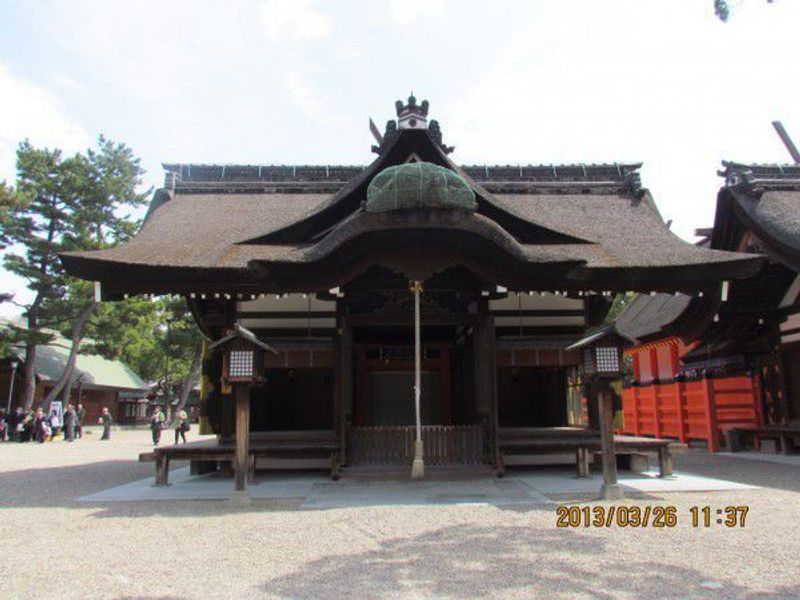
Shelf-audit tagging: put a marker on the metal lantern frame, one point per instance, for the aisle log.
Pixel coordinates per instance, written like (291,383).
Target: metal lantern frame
(243,358)
(602,353)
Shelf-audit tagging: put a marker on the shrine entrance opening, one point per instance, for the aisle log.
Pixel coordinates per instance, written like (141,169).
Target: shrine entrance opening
(385,385)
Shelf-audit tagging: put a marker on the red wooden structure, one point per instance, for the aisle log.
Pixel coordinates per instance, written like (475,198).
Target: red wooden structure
(702,409)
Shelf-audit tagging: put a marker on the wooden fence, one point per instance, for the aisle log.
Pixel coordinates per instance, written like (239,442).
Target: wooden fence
(693,409)
(394,446)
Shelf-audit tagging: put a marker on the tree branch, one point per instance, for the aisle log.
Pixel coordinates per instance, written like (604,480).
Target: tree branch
(77,337)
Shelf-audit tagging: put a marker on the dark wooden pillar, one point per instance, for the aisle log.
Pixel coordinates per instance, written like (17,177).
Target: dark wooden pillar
(485,353)
(241,459)
(162,468)
(344,382)
(610,489)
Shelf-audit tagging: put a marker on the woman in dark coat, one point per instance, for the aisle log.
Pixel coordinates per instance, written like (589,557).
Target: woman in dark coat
(80,415)
(70,418)
(106,421)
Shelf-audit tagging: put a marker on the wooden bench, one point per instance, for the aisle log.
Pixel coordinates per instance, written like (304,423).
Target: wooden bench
(274,444)
(581,442)
(784,435)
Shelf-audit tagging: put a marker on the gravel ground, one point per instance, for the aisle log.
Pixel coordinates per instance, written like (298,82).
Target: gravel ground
(52,546)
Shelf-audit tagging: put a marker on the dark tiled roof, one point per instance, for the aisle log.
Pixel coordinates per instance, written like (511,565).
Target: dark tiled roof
(199,178)
(209,173)
(647,315)
(760,172)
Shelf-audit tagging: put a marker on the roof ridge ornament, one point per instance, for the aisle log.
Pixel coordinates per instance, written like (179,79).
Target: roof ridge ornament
(633,183)
(411,109)
(755,179)
(411,116)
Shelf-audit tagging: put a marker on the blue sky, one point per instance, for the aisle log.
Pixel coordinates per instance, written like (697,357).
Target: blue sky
(294,81)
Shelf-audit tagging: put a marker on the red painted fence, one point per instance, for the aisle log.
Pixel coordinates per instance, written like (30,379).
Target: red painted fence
(693,410)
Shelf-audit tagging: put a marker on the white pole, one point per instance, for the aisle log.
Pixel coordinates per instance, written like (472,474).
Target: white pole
(417,361)
(11,387)
(418,466)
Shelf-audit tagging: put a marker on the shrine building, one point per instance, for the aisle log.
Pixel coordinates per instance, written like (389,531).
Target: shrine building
(506,268)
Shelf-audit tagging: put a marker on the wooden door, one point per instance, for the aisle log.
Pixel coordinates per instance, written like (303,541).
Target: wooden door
(384,373)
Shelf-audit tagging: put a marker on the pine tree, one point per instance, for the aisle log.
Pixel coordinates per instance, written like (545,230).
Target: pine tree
(65,204)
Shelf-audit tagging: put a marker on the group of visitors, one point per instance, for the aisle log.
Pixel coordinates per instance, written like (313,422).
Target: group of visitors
(158,423)
(38,426)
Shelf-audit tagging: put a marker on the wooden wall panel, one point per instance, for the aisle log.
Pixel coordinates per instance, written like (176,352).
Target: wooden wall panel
(700,410)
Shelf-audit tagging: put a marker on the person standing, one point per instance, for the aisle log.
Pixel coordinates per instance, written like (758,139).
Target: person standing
(79,416)
(41,430)
(15,425)
(157,424)
(106,421)
(181,426)
(69,423)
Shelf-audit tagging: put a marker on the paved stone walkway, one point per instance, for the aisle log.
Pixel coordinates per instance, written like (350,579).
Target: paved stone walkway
(318,491)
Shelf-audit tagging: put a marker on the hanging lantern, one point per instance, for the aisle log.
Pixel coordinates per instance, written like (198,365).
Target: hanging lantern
(602,352)
(243,358)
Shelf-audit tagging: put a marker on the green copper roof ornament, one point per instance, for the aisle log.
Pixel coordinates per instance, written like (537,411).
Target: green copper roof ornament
(419,185)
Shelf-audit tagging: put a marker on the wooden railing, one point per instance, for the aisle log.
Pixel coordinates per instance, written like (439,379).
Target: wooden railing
(394,446)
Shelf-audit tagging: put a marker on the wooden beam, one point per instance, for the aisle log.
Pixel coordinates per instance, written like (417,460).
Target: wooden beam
(536,330)
(242,394)
(294,332)
(610,489)
(385,320)
(787,141)
(286,314)
(537,312)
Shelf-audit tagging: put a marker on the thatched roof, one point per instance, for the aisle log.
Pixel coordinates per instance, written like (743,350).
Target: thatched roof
(756,198)
(596,220)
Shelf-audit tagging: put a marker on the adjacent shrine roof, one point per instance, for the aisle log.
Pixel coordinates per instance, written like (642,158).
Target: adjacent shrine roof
(269,227)
(757,211)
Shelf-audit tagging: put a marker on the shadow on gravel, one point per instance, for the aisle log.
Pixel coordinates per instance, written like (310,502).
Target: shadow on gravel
(61,486)
(468,561)
(741,470)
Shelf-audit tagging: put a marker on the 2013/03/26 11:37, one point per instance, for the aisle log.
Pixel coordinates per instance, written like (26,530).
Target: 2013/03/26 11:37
(648,516)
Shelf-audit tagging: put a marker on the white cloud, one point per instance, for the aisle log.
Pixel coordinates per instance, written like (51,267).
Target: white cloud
(293,20)
(406,12)
(304,96)
(30,111)
(614,87)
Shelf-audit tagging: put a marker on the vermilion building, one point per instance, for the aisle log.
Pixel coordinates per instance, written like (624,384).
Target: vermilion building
(702,369)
